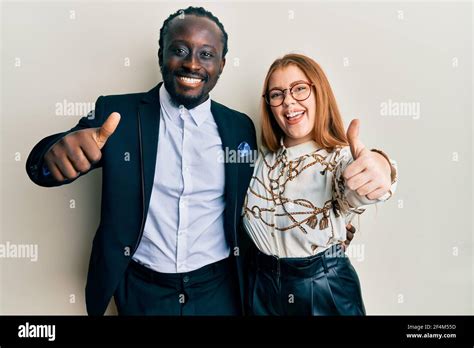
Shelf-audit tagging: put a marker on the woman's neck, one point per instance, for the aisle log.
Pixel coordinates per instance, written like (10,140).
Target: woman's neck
(289,142)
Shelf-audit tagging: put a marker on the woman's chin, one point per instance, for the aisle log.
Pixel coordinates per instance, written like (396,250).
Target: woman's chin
(299,135)
(292,139)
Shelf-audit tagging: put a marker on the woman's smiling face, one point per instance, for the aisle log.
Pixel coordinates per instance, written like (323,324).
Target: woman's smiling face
(295,118)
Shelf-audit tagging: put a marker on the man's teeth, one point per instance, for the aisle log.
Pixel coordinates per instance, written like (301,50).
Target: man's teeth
(189,79)
(294,114)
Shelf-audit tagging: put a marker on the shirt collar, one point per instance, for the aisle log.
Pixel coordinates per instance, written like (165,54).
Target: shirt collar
(293,152)
(199,114)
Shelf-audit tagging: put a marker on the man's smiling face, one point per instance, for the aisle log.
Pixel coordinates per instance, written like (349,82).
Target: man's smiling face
(191,59)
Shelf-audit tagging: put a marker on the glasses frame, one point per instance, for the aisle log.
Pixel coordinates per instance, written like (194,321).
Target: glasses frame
(266,96)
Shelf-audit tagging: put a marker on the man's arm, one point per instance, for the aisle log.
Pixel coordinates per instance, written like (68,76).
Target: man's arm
(61,158)
(35,166)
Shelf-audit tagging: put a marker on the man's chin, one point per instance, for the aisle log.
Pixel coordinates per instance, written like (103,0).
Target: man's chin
(188,97)
(189,101)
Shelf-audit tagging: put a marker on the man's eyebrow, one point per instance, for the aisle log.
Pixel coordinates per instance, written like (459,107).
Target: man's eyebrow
(178,41)
(210,46)
(173,42)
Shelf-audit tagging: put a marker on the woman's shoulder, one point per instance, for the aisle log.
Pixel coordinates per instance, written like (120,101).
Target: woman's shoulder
(343,150)
(338,153)
(265,157)
(265,153)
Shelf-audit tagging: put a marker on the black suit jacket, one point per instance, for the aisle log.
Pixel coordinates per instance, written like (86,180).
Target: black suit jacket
(127,185)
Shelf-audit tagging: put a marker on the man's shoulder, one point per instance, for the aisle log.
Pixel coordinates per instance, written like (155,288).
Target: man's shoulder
(123,98)
(237,115)
(132,98)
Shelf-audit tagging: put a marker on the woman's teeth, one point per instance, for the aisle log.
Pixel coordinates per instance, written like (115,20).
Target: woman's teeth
(291,115)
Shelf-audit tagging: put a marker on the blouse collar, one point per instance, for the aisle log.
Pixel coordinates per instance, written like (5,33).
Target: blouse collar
(296,151)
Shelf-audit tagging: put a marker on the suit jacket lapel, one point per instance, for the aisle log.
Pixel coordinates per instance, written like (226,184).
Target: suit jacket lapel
(224,126)
(149,116)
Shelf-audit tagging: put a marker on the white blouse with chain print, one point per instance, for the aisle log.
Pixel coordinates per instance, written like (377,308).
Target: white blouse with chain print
(297,204)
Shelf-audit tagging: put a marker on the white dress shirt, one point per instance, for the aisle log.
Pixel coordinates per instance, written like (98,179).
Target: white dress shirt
(297,204)
(184,228)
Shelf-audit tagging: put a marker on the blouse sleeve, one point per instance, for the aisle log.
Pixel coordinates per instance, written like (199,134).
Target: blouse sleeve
(349,201)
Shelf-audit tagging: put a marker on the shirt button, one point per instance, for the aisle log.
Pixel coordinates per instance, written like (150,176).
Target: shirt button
(185,279)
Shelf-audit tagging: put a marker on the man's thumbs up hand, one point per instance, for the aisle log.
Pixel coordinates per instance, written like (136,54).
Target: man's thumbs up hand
(76,152)
(369,174)
(108,128)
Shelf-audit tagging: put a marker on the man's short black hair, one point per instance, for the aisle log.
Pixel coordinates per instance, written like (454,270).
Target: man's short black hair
(196,11)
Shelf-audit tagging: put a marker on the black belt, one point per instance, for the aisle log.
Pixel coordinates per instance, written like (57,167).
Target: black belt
(201,274)
(301,266)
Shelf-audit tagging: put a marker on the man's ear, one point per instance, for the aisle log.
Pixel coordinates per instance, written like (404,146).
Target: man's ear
(160,58)
(222,66)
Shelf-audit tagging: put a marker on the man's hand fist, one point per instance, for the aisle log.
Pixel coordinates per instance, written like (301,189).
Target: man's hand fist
(77,151)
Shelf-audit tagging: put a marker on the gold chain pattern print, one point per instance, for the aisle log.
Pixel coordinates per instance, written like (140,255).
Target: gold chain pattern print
(297,203)
(301,213)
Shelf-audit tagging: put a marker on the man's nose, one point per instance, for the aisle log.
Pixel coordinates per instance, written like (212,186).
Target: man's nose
(191,62)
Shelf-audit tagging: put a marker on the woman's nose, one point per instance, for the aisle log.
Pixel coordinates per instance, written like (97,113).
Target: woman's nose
(288,99)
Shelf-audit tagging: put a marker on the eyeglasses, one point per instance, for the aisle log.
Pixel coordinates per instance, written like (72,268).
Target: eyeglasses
(299,91)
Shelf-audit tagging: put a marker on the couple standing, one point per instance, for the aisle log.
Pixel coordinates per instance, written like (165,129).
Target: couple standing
(182,233)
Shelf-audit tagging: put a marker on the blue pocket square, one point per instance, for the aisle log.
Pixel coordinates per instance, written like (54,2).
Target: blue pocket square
(243,149)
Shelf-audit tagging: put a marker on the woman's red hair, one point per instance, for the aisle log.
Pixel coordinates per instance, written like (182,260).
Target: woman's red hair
(328,131)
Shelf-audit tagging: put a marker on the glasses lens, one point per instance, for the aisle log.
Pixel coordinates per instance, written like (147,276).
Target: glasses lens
(301,91)
(275,97)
